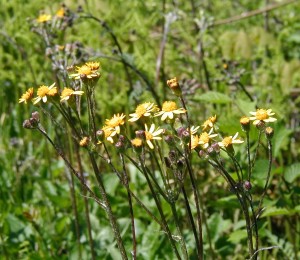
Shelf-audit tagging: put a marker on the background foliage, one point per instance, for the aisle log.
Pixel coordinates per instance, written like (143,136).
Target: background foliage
(262,53)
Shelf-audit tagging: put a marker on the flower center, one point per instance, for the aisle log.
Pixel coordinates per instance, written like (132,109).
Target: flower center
(137,142)
(86,70)
(169,106)
(140,110)
(227,141)
(42,91)
(204,137)
(67,92)
(148,135)
(261,114)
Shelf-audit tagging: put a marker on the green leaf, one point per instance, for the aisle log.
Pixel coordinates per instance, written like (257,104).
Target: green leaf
(15,224)
(281,139)
(245,106)
(274,211)
(292,172)
(214,97)
(237,236)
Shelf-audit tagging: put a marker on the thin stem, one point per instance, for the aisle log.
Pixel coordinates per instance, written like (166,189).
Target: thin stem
(126,183)
(248,156)
(163,219)
(108,209)
(244,90)
(255,153)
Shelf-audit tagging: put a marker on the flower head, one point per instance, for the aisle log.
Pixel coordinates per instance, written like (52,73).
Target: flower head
(262,115)
(68,92)
(152,134)
(169,108)
(194,141)
(27,96)
(84,141)
(43,18)
(143,110)
(115,122)
(209,123)
(109,133)
(174,86)
(60,12)
(205,138)
(229,141)
(87,71)
(44,91)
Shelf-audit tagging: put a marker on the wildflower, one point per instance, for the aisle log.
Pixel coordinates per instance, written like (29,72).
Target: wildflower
(27,96)
(205,138)
(137,144)
(262,115)
(68,92)
(174,86)
(269,131)
(193,130)
(169,108)
(194,141)
(60,13)
(44,91)
(115,122)
(228,141)
(43,18)
(209,123)
(141,110)
(152,134)
(245,123)
(84,141)
(87,71)
(109,133)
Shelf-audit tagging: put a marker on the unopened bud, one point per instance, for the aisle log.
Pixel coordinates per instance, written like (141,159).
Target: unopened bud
(247,185)
(269,131)
(245,123)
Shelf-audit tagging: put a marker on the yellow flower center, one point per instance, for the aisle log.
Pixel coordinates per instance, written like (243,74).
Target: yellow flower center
(148,135)
(227,141)
(43,91)
(67,92)
(86,70)
(169,106)
(140,110)
(204,137)
(93,65)
(244,120)
(261,114)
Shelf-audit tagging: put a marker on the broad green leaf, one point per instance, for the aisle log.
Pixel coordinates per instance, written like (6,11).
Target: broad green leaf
(274,211)
(237,236)
(292,172)
(245,106)
(280,139)
(15,224)
(214,97)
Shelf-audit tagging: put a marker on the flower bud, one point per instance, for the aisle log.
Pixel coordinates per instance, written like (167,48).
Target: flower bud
(137,145)
(174,86)
(245,123)
(84,141)
(140,134)
(269,131)
(36,116)
(100,135)
(247,185)
(120,147)
(170,140)
(27,124)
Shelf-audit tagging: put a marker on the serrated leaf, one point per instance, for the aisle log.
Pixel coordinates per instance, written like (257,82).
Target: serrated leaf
(214,97)
(292,172)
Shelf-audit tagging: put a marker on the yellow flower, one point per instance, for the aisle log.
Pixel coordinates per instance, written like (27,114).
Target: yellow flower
(262,115)
(174,86)
(205,138)
(194,141)
(141,110)
(88,70)
(27,96)
(209,123)
(84,141)
(137,142)
(152,134)
(109,133)
(68,92)
(193,130)
(169,108)
(229,141)
(115,122)
(43,92)
(60,12)
(43,18)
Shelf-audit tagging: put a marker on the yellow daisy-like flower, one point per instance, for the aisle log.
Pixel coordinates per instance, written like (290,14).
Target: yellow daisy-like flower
(169,108)
(194,141)
(60,13)
(142,110)
(115,122)
(137,142)
(194,130)
(229,141)
(68,92)
(109,133)
(262,115)
(27,96)
(209,123)
(88,70)
(152,134)
(44,91)
(205,138)
(43,18)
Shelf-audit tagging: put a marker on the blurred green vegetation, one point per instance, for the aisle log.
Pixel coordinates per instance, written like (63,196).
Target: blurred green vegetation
(261,52)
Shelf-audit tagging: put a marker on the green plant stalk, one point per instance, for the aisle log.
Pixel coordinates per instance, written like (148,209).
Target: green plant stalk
(244,90)
(91,111)
(73,197)
(248,156)
(86,204)
(108,209)
(255,153)
(163,219)
(126,183)
(182,242)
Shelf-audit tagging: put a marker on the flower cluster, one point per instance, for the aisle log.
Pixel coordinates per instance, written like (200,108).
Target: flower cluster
(88,71)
